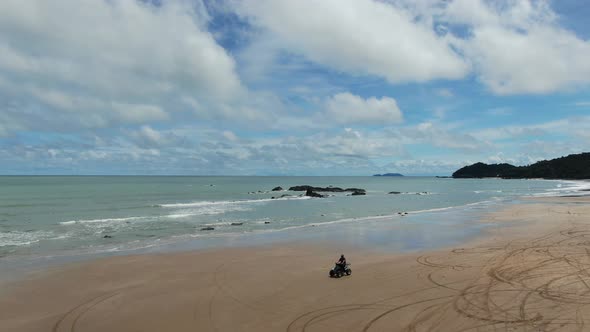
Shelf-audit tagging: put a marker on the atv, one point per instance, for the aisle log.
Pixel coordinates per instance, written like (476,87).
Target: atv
(338,271)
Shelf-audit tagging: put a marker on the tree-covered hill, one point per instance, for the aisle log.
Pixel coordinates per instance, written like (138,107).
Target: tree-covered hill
(575,166)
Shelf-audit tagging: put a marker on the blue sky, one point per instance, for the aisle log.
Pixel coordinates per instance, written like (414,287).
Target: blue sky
(280,87)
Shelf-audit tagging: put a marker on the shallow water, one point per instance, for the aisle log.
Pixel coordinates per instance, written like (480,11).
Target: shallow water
(70,216)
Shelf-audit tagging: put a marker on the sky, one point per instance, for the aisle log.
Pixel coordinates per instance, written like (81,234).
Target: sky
(283,87)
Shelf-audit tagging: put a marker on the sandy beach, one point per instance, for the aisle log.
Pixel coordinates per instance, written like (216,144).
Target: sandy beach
(529,271)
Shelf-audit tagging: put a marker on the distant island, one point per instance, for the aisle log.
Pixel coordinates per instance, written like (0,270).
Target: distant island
(574,166)
(388,174)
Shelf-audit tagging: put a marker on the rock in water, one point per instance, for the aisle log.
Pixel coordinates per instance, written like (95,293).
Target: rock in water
(277,189)
(311,193)
(324,189)
(208,228)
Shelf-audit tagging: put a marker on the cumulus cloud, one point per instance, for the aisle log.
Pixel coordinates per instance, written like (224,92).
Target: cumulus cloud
(118,61)
(405,41)
(442,136)
(348,108)
(563,127)
(518,47)
(359,37)
(149,88)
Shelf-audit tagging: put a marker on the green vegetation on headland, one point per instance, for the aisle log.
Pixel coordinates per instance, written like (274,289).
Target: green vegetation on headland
(575,166)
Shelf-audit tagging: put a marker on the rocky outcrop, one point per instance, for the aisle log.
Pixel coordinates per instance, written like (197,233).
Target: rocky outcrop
(326,189)
(208,228)
(311,193)
(277,189)
(394,192)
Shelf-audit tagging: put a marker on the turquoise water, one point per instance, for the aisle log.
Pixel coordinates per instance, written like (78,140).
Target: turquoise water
(53,215)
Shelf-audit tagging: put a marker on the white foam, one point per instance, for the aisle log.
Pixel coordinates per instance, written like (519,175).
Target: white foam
(23,238)
(179,215)
(215,203)
(422,193)
(565,187)
(206,210)
(104,220)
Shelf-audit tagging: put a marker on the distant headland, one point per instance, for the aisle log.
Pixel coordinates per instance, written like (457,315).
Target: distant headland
(574,166)
(388,174)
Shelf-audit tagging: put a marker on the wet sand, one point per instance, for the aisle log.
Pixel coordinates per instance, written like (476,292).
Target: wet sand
(529,271)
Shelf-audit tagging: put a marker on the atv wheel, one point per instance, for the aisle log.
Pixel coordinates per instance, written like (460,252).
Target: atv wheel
(348,272)
(331,273)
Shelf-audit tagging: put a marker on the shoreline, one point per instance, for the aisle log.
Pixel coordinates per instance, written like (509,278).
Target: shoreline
(530,261)
(17,266)
(378,228)
(130,225)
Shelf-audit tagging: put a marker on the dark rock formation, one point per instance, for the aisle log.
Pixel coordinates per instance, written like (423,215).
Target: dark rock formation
(388,174)
(267,222)
(311,193)
(237,223)
(325,189)
(395,192)
(358,193)
(277,189)
(575,166)
(208,228)
(107,237)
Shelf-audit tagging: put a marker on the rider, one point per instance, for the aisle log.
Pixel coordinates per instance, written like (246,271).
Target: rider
(341,262)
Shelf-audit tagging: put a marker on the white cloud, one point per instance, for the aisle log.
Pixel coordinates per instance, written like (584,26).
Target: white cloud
(444,92)
(509,132)
(517,47)
(229,135)
(351,109)
(424,166)
(440,136)
(139,113)
(408,41)
(359,37)
(126,61)
(150,134)
(572,130)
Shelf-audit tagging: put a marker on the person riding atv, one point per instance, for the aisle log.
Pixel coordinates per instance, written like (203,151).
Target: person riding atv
(341,268)
(341,262)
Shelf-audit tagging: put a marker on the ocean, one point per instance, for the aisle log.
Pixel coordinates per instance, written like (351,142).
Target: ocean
(52,216)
